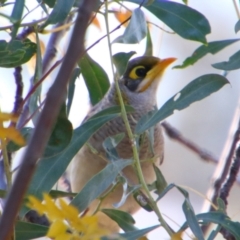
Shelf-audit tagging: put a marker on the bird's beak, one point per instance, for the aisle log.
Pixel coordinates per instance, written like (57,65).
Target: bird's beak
(154,75)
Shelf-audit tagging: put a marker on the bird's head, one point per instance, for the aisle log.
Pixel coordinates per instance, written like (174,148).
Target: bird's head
(142,76)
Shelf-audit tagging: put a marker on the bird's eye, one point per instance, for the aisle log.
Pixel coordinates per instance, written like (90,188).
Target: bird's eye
(138,72)
(141,72)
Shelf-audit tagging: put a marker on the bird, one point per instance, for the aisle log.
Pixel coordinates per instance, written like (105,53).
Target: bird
(138,86)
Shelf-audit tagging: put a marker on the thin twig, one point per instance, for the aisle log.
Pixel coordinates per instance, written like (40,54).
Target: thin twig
(38,141)
(176,135)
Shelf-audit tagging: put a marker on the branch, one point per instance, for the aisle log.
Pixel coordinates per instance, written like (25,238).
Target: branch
(176,135)
(54,99)
(224,164)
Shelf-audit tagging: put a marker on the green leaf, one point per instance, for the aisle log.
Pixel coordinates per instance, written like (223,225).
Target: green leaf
(99,183)
(124,220)
(149,45)
(136,29)
(221,219)
(237,26)
(26,133)
(185,21)
(51,169)
(15,52)
(60,12)
(26,230)
(95,78)
(161,183)
(59,194)
(71,88)
(196,90)
(50,3)
(120,61)
(192,220)
(133,235)
(16,16)
(232,64)
(212,47)
(61,135)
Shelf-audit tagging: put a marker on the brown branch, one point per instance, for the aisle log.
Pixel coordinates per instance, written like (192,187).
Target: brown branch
(54,99)
(225,190)
(176,135)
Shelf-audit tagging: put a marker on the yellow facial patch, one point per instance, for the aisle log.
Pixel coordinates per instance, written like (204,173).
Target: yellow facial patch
(134,73)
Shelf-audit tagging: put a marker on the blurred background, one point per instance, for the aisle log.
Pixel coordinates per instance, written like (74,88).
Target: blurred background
(207,123)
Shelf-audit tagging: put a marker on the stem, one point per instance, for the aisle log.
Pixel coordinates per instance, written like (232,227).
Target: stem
(131,136)
(236,8)
(7,167)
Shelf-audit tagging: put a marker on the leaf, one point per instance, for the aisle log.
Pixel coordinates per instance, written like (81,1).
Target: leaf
(95,78)
(25,133)
(136,29)
(99,183)
(192,220)
(60,12)
(237,26)
(71,88)
(51,169)
(26,230)
(16,16)
(124,220)
(221,219)
(50,3)
(212,47)
(120,61)
(61,135)
(185,21)
(232,64)
(15,52)
(149,45)
(133,235)
(196,90)
(60,194)
(161,183)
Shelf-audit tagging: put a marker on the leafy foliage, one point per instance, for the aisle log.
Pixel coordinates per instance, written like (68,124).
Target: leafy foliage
(65,142)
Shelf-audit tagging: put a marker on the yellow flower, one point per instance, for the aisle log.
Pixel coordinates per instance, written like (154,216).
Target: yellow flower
(66,223)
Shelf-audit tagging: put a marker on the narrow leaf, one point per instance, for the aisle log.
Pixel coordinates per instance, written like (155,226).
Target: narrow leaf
(95,78)
(99,183)
(16,16)
(133,235)
(161,183)
(60,194)
(232,64)
(237,26)
(49,170)
(120,61)
(136,29)
(212,47)
(124,220)
(196,90)
(71,88)
(60,12)
(192,220)
(26,230)
(149,45)
(185,21)
(221,219)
